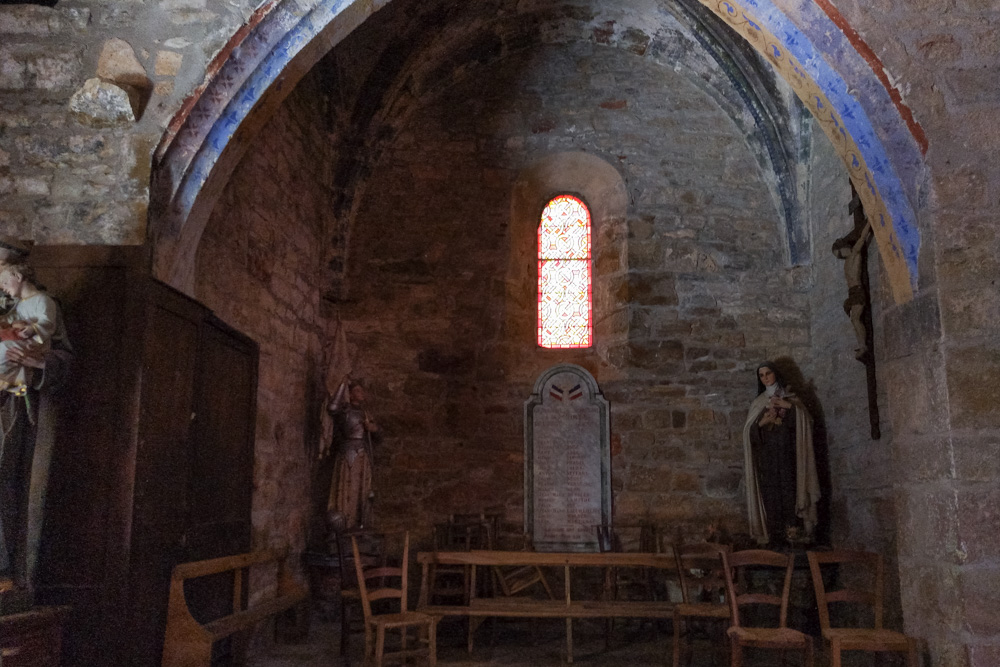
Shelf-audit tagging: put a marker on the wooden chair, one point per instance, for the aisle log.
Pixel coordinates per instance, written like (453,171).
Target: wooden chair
(514,579)
(510,581)
(781,637)
(459,533)
(857,638)
(700,568)
(627,583)
(638,538)
(372,554)
(376,625)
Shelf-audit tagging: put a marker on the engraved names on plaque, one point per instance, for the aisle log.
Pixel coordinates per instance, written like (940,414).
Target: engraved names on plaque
(567,460)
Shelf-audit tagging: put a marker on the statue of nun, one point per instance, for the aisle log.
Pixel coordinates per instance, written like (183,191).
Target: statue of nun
(781,481)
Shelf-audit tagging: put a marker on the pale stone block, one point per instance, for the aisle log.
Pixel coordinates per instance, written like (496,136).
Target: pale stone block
(974,386)
(102,103)
(12,120)
(188,17)
(31,186)
(182,5)
(55,72)
(12,71)
(118,63)
(987,655)
(28,20)
(164,88)
(79,17)
(976,5)
(970,312)
(168,63)
(79,186)
(15,223)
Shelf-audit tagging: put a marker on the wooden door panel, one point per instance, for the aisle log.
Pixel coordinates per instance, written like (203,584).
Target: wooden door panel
(168,371)
(222,444)
(221,466)
(89,459)
(137,484)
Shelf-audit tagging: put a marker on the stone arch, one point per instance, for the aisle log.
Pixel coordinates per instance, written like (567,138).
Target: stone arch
(285,38)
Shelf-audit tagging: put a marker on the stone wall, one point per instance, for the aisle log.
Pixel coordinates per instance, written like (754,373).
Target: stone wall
(86,91)
(451,354)
(858,474)
(260,268)
(63,179)
(941,369)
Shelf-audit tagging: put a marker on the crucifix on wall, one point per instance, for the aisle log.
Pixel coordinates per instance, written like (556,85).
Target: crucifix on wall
(853,249)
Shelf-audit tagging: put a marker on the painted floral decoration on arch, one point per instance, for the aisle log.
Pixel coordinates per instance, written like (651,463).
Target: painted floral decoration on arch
(565,296)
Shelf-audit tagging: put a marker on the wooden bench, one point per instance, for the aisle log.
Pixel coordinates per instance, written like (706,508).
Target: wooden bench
(567,608)
(188,643)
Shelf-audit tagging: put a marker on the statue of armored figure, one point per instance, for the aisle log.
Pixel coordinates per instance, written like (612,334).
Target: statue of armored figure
(354,435)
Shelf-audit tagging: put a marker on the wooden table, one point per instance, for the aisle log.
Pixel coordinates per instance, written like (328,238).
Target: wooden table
(567,608)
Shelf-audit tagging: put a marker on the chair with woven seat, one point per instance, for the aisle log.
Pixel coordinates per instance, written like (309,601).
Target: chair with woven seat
(514,579)
(627,583)
(390,583)
(700,568)
(372,554)
(450,583)
(752,591)
(867,593)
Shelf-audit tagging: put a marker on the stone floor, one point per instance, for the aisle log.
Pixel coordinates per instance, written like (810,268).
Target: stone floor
(541,642)
(515,644)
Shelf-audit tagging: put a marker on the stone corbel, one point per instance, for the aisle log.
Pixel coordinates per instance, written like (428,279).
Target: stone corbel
(120,91)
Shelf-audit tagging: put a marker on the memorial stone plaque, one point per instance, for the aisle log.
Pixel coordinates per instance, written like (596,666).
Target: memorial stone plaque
(567,463)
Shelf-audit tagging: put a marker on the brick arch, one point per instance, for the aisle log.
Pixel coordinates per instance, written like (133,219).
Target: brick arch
(285,38)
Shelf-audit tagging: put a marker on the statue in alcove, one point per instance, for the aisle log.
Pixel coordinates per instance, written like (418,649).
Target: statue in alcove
(35,356)
(354,434)
(782,485)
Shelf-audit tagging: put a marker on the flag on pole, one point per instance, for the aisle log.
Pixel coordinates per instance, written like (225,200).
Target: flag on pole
(338,370)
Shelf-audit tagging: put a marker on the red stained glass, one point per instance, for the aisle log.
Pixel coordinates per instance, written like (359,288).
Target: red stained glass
(565,303)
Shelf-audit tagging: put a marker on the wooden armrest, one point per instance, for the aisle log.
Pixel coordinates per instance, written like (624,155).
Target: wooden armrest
(188,642)
(204,568)
(227,625)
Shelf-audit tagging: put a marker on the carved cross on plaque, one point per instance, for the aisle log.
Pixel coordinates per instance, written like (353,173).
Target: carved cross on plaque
(567,460)
(853,249)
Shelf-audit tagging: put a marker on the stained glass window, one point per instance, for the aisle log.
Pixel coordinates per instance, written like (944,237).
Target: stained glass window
(565,303)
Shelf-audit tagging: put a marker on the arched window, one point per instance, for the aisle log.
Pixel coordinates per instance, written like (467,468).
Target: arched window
(565,298)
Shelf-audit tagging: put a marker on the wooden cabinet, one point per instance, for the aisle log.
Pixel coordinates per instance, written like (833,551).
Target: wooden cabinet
(153,459)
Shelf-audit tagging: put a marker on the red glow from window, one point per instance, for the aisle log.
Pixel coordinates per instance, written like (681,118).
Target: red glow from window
(565,300)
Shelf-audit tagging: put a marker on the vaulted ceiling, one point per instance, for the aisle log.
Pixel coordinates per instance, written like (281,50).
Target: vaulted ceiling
(412,49)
